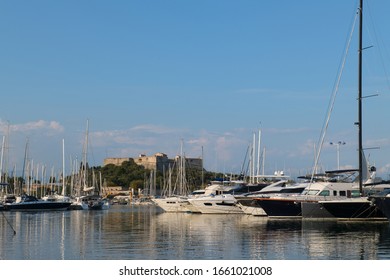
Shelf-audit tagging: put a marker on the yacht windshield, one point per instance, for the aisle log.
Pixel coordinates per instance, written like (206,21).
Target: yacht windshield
(310,192)
(324,193)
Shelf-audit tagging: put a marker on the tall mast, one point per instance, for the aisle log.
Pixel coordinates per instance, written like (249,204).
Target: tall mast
(258,157)
(182,183)
(85,160)
(1,161)
(24,168)
(360,140)
(202,168)
(63,167)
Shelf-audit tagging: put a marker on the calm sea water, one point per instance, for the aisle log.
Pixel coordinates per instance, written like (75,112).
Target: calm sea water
(146,233)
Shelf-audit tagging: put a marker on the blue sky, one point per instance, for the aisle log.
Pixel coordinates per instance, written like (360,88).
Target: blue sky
(147,74)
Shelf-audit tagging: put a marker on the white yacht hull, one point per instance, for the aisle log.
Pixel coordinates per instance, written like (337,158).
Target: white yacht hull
(220,204)
(251,210)
(172,204)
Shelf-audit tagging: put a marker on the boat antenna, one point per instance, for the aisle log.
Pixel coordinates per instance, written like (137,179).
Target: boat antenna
(8,222)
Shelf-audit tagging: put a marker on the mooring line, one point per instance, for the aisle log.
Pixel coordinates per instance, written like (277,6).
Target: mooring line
(8,222)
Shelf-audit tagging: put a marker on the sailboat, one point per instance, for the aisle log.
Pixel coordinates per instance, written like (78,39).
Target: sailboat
(176,200)
(331,196)
(54,196)
(360,207)
(88,196)
(29,202)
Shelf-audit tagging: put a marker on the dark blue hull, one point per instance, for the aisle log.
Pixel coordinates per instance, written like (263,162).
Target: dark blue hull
(314,210)
(354,210)
(276,207)
(37,206)
(383,204)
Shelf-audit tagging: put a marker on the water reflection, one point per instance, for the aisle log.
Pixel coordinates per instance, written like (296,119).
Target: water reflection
(137,232)
(343,240)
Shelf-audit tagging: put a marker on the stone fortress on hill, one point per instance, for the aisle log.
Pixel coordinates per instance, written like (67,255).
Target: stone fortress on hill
(158,161)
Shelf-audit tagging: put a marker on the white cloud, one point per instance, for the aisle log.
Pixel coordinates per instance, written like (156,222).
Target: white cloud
(142,135)
(155,129)
(40,125)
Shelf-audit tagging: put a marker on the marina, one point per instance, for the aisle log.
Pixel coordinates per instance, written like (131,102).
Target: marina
(145,232)
(151,200)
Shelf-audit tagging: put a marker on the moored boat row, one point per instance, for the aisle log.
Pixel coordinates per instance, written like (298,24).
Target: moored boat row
(32,203)
(320,199)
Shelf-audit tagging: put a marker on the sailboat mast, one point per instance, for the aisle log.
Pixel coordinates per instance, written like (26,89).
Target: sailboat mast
(1,161)
(258,157)
(63,167)
(85,153)
(254,158)
(360,67)
(202,168)
(24,168)
(182,171)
